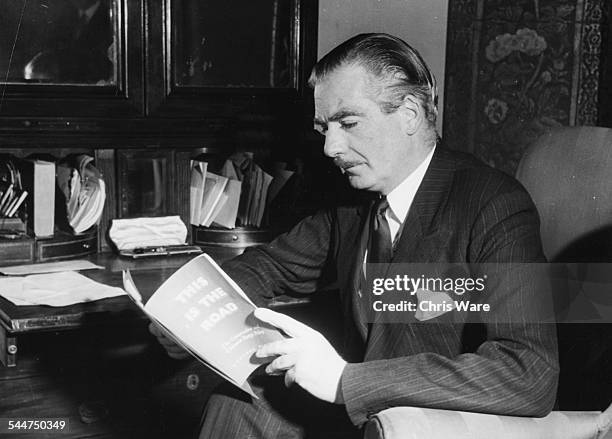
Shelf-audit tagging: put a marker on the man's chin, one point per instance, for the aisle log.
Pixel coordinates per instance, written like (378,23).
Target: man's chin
(358,182)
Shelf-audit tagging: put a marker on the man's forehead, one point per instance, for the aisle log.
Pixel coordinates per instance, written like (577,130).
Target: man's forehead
(342,88)
(345,78)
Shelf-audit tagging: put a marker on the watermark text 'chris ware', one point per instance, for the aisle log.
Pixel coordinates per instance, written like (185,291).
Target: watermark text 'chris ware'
(503,293)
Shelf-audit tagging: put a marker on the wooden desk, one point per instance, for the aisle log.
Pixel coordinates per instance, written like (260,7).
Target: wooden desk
(148,273)
(96,365)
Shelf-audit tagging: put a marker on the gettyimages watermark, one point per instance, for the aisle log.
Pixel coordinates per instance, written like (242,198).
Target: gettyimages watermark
(486,293)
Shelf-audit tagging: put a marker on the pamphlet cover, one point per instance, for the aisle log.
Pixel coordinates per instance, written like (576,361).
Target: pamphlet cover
(207,313)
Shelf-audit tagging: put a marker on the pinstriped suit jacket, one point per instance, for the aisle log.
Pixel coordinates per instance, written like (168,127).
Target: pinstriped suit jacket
(463,211)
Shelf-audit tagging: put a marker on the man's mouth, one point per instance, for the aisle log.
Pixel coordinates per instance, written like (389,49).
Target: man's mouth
(345,165)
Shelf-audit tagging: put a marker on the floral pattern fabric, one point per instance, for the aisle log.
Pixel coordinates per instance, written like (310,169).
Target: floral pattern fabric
(533,65)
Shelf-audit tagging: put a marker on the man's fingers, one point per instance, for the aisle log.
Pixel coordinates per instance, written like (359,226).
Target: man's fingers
(280,347)
(158,331)
(292,327)
(155,330)
(162,338)
(172,349)
(281,364)
(290,377)
(169,344)
(179,355)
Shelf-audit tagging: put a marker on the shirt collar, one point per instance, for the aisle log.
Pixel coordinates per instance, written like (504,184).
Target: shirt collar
(400,199)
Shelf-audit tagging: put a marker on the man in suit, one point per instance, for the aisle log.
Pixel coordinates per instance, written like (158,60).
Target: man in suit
(375,103)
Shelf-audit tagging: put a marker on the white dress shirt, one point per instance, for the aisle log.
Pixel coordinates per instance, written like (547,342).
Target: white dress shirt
(400,199)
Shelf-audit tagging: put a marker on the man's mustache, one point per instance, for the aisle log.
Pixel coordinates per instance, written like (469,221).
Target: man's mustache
(345,164)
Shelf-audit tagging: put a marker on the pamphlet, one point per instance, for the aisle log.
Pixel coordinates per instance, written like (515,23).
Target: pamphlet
(203,310)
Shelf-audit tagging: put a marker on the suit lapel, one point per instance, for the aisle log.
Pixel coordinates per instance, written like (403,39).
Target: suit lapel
(419,224)
(430,197)
(357,263)
(351,262)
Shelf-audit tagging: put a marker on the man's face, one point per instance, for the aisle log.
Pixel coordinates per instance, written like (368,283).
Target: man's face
(371,147)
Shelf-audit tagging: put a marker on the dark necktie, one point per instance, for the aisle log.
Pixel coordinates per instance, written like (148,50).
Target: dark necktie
(380,249)
(379,252)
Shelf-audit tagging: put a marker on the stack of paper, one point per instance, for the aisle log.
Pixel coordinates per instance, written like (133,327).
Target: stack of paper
(214,197)
(54,289)
(196,193)
(237,195)
(260,188)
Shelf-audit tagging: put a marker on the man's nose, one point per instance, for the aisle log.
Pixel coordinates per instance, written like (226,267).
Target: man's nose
(335,143)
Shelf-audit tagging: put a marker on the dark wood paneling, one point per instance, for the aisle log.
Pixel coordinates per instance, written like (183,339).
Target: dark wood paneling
(126,99)
(167,100)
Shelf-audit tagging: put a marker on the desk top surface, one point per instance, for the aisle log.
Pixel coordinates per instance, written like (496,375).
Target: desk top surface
(148,273)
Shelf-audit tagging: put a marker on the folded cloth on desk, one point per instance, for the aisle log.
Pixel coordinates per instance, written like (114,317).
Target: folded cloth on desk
(128,234)
(55,289)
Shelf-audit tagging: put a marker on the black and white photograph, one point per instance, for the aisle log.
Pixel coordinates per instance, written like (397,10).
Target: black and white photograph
(306,219)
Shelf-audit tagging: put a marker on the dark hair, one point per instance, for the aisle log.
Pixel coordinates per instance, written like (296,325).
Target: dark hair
(400,68)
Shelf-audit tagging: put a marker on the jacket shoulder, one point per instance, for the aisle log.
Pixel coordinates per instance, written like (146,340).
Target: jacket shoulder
(477,177)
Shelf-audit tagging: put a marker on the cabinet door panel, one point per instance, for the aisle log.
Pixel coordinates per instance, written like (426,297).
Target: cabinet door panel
(234,43)
(71,58)
(233,61)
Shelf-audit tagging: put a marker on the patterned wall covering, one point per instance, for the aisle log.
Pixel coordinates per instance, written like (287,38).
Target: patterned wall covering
(515,68)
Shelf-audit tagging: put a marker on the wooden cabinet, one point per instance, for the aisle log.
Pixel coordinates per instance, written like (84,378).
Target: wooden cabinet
(156,102)
(110,379)
(183,73)
(216,58)
(37,91)
(184,76)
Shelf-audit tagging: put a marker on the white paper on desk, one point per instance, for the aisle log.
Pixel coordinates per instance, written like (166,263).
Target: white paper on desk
(55,289)
(49,267)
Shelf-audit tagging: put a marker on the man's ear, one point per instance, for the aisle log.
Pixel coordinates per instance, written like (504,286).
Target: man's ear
(412,112)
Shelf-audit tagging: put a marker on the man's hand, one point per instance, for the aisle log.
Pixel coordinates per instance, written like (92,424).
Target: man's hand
(173,350)
(306,359)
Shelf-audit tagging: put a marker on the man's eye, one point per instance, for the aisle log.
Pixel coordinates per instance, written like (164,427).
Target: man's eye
(320,129)
(347,125)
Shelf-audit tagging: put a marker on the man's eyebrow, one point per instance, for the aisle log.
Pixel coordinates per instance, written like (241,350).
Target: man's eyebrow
(319,122)
(341,114)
